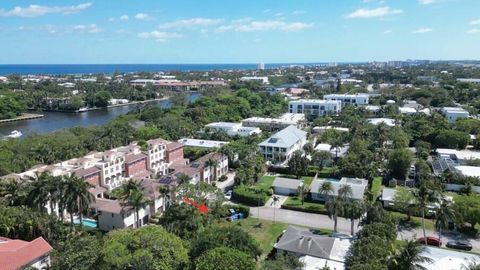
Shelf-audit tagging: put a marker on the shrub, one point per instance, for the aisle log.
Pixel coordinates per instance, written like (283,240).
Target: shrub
(249,196)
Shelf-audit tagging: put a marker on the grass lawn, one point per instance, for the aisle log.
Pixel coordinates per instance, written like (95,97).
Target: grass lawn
(325,172)
(265,182)
(415,222)
(296,202)
(265,232)
(376,186)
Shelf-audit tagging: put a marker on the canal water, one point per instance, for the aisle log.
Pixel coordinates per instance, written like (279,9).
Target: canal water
(58,120)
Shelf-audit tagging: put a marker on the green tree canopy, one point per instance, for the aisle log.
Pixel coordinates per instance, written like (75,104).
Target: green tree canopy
(224,258)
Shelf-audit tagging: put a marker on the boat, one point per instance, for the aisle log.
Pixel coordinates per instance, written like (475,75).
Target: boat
(14,134)
(84,109)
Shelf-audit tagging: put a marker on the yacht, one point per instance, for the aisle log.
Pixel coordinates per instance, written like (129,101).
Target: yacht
(14,134)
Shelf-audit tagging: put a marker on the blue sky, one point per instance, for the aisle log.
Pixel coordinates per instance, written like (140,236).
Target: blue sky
(236,31)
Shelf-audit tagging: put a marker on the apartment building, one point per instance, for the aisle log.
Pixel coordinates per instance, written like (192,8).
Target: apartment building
(315,107)
(352,99)
(455,113)
(278,149)
(270,124)
(157,156)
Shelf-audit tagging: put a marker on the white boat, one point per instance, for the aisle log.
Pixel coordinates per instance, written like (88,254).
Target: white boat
(14,134)
(84,109)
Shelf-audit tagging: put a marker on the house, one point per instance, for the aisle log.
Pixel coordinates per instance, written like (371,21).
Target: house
(352,99)
(469,80)
(459,156)
(18,254)
(233,129)
(377,121)
(210,174)
(272,124)
(278,149)
(358,188)
(286,186)
(263,80)
(322,130)
(312,249)
(315,107)
(387,197)
(335,152)
(202,143)
(455,113)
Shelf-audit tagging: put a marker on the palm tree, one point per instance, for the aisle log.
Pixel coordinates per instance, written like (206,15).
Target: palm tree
(38,196)
(76,197)
(12,192)
(136,200)
(326,189)
(443,214)
(164,190)
(334,209)
(353,210)
(336,145)
(345,193)
(409,257)
(424,196)
(212,163)
(302,192)
(275,199)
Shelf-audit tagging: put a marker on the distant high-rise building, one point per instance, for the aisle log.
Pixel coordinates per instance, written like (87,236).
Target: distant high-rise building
(261,66)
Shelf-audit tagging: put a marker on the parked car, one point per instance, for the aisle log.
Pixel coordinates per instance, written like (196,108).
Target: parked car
(234,215)
(431,241)
(459,244)
(228,195)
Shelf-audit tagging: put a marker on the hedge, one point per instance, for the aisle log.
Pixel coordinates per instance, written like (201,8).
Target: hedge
(249,196)
(306,210)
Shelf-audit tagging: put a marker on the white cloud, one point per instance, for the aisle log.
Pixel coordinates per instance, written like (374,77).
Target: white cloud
(124,17)
(299,12)
(159,36)
(279,14)
(91,29)
(423,30)
(36,10)
(188,23)
(427,2)
(143,17)
(364,13)
(387,32)
(475,22)
(274,25)
(474,31)
(111,19)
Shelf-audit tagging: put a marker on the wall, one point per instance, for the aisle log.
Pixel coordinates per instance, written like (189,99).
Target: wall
(136,167)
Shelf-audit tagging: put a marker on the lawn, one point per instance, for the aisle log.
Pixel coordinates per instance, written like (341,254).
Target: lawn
(265,232)
(376,186)
(295,203)
(415,222)
(265,182)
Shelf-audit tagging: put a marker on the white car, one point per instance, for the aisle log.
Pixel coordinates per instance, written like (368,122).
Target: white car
(228,195)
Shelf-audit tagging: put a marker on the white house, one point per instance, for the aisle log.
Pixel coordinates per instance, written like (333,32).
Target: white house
(234,129)
(288,119)
(358,188)
(469,80)
(377,121)
(315,107)
(280,146)
(286,186)
(454,113)
(353,99)
(202,143)
(263,80)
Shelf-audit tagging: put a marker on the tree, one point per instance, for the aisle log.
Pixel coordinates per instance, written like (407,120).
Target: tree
(399,162)
(224,258)
(298,164)
(212,163)
(303,192)
(102,98)
(283,261)
(448,138)
(13,193)
(334,209)
(147,248)
(423,171)
(229,236)
(404,201)
(409,257)
(308,148)
(76,197)
(164,191)
(424,196)
(132,196)
(326,189)
(182,220)
(78,251)
(353,210)
(320,158)
(467,210)
(443,215)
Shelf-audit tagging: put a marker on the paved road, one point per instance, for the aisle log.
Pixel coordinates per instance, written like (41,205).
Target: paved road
(323,222)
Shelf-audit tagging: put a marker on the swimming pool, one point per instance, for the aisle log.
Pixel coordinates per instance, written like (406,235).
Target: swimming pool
(87,222)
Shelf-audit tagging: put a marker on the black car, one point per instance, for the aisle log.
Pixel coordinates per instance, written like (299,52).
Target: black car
(459,244)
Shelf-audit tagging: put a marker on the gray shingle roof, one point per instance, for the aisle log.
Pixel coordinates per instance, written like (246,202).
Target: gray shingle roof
(302,241)
(287,183)
(285,138)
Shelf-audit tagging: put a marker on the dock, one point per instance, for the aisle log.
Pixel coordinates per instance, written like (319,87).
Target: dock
(25,116)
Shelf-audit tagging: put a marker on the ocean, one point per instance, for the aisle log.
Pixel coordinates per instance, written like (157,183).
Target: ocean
(111,68)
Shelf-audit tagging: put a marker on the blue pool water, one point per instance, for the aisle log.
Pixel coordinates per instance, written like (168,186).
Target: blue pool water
(87,222)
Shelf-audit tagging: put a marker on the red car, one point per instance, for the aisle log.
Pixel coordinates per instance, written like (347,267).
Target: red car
(431,241)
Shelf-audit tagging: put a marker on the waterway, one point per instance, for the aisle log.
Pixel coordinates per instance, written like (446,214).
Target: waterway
(58,120)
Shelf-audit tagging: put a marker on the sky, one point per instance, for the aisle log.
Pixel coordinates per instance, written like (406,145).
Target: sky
(236,31)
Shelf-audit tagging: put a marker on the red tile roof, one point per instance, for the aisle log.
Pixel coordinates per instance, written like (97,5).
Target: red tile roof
(17,253)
